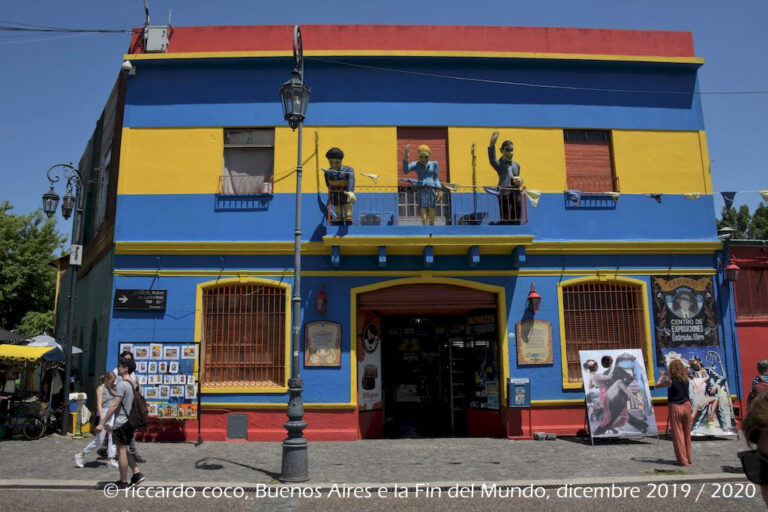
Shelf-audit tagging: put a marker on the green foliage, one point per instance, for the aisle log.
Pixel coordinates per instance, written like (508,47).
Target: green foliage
(736,219)
(27,280)
(35,323)
(758,227)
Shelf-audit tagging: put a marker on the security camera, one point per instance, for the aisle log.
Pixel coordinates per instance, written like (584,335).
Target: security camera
(128,68)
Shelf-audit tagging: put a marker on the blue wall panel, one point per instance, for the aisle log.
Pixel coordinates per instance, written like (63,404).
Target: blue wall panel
(196,217)
(245,94)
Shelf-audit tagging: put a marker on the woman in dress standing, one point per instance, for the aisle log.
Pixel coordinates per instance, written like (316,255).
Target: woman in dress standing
(428,184)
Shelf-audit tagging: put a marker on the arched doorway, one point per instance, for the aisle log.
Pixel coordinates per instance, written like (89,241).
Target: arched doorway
(431,359)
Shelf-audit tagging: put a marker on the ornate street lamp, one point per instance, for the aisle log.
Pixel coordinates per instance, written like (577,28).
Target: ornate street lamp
(295,96)
(70,202)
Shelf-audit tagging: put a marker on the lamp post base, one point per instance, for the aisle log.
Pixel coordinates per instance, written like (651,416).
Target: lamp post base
(295,463)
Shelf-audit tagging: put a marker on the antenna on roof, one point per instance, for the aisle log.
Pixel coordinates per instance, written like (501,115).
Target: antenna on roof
(146,14)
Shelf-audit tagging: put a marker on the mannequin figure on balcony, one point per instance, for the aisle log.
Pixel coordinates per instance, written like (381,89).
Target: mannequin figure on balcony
(341,186)
(428,183)
(510,203)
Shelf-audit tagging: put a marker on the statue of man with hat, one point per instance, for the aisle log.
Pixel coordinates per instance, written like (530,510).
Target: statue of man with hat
(341,186)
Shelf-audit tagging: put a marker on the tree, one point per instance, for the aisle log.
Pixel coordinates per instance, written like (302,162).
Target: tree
(35,323)
(27,280)
(738,220)
(758,227)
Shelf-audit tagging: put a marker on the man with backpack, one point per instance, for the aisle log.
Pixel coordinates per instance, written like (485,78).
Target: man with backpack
(127,418)
(760,383)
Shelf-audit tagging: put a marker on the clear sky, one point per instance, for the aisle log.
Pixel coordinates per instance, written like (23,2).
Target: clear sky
(53,87)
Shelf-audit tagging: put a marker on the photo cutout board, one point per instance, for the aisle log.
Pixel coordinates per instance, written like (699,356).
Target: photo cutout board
(617,394)
(711,406)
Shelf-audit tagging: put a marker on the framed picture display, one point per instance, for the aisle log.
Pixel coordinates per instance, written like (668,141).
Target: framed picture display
(323,344)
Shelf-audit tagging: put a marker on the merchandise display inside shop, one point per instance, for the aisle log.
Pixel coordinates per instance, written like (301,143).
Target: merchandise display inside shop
(435,370)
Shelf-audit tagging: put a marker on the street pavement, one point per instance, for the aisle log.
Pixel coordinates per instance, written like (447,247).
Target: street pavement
(388,475)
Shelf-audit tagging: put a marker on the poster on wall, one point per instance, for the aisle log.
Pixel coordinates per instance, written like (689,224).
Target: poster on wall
(167,377)
(369,365)
(684,311)
(534,342)
(322,344)
(617,394)
(711,406)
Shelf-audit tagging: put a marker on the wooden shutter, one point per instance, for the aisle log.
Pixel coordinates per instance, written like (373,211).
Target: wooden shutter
(589,166)
(752,292)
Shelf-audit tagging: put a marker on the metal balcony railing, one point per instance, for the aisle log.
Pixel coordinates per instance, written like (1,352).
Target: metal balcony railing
(399,205)
(243,186)
(593,184)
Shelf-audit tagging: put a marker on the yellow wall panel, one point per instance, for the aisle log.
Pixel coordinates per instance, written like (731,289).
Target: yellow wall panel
(661,162)
(366,149)
(539,151)
(170,161)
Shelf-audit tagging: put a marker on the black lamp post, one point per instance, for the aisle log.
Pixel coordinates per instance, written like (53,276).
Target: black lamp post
(295,97)
(69,203)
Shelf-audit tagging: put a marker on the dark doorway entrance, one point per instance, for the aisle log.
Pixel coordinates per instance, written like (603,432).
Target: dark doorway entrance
(436,370)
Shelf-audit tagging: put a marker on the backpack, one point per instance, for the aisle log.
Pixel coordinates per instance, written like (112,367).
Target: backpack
(137,417)
(758,389)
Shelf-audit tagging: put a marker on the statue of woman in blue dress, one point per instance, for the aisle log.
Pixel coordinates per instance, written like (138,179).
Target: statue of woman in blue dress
(428,184)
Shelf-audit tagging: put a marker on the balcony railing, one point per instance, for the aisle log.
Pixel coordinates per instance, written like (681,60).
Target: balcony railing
(593,184)
(243,186)
(390,205)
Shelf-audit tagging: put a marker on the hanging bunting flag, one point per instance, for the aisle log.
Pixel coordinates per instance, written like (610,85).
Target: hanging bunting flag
(763,194)
(374,177)
(492,190)
(533,196)
(573,196)
(655,197)
(692,195)
(728,198)
(613,195)
(453,187)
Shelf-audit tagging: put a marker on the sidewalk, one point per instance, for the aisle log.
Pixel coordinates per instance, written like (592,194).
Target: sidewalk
(49,462)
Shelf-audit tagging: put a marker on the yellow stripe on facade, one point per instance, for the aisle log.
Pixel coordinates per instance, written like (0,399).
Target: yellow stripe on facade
(414,245)
(412,53)
(190,160)
(241,273)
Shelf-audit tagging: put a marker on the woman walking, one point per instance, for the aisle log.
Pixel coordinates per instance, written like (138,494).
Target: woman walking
(104,400)
(678,398)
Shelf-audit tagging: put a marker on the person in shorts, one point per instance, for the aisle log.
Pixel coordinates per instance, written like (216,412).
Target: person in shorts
(122,432)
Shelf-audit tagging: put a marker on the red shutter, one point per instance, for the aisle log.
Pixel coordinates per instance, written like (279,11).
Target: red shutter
(588,166)
(426,296)
(435,138)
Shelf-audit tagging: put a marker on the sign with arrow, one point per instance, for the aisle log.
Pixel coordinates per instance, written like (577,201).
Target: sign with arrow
(141,299)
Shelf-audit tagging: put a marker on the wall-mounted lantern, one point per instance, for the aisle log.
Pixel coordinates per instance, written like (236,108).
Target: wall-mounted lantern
(732,272)
(534,299)
(321,301)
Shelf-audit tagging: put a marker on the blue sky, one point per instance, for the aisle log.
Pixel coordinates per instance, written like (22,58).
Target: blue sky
(53,87)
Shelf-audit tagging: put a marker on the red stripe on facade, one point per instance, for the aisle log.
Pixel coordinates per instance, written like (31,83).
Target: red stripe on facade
(429,38)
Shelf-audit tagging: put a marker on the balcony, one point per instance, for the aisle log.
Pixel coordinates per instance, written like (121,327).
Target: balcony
(399,206)
(593,185)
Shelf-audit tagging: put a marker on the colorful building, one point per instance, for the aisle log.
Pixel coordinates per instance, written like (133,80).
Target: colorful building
(422,326)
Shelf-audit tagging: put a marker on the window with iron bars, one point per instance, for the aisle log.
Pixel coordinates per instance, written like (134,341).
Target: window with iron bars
(244,336)
(752,292)
(601,315)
